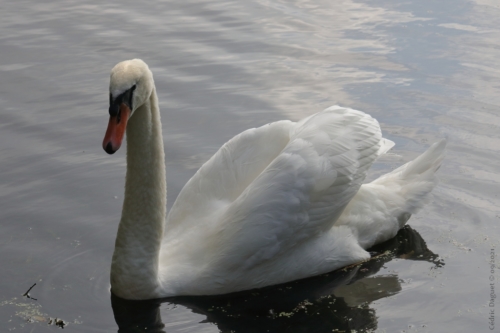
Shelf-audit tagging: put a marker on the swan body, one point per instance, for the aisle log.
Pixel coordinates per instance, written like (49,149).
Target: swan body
(277,203)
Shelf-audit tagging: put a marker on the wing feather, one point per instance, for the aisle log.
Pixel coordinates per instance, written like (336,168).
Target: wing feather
(303,190)
(226,174)
(272,188)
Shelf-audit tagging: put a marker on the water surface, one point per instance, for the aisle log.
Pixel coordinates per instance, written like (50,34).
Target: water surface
(424,69)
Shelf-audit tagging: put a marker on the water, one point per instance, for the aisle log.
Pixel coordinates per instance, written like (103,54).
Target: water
(424,69)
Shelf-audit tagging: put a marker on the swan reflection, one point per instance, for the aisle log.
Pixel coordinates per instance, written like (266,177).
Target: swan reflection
(338,301)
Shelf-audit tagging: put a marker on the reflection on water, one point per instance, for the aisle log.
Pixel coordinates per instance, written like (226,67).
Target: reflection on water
(335,302)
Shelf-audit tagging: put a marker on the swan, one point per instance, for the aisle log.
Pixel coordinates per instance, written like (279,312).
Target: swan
(277,203)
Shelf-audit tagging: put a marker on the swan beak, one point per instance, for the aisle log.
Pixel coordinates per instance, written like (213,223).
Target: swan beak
(116,130)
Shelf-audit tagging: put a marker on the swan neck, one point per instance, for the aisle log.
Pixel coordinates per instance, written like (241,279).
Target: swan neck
(134,271)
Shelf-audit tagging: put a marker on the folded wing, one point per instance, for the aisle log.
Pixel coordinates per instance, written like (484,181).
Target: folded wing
(303,190)
(271,189)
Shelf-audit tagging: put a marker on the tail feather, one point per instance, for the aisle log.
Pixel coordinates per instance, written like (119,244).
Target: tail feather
(428,162)
(382,207)
(415,179)
(424,166)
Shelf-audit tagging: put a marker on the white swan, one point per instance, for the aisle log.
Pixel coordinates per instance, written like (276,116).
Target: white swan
(277,203)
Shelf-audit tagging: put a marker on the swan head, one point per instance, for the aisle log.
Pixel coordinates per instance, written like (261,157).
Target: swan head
(130,86)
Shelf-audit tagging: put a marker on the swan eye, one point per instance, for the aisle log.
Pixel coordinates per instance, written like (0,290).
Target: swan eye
(126,98)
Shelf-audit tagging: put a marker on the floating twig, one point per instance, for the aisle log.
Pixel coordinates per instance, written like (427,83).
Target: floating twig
(27,293)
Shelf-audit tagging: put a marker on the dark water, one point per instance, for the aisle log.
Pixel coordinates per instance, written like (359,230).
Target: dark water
(424,69)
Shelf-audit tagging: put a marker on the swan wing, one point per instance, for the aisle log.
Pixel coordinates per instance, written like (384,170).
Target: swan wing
(302,191)
(268,198)
(222,179)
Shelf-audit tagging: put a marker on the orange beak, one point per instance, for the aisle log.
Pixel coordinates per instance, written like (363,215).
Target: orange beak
(116,130)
